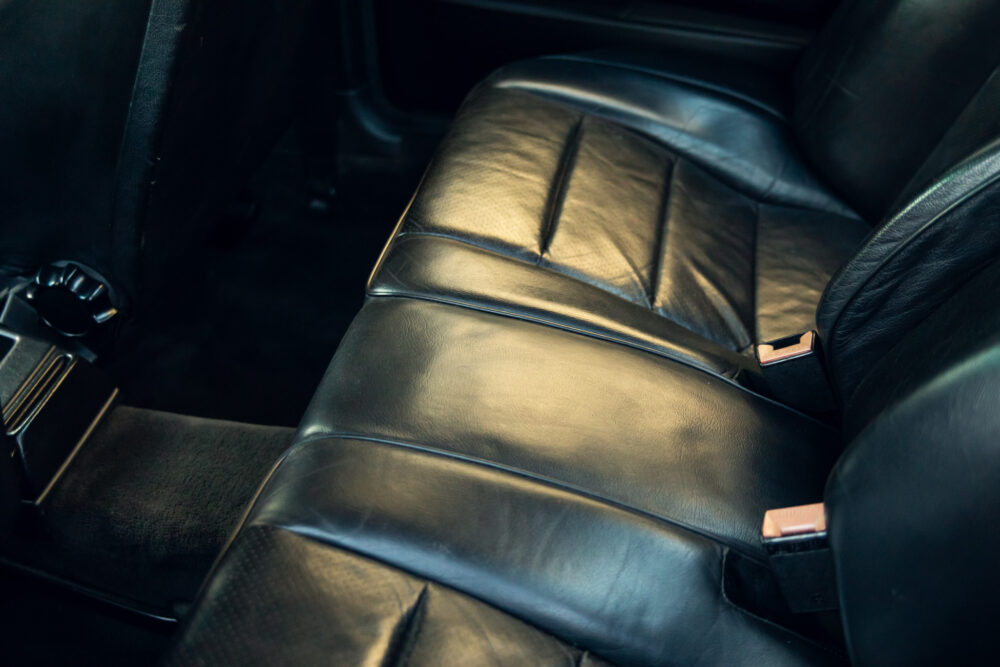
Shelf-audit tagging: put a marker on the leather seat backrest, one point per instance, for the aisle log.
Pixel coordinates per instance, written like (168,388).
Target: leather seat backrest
(912,503)
(881,85)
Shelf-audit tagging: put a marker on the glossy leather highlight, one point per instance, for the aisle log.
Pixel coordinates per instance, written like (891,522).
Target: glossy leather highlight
(683,445)
(539,406)
(597,206)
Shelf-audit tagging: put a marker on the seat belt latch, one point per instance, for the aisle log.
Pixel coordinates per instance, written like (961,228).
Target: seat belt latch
(799,555)
(786,349)
(794,374)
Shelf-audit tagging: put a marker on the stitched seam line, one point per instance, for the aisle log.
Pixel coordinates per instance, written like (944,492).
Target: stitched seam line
(597,335)
(535,478)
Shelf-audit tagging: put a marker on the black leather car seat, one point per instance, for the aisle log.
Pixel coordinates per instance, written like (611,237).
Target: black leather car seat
(469,488)
(696,217)
(484,483)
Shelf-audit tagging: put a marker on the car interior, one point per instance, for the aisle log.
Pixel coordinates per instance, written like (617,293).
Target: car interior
(508,332)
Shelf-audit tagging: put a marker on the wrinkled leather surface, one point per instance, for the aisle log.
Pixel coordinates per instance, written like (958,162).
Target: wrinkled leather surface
(911,509)
(712,123)
(525,181)
(620,424)
(281,598)
(572,565)
(881,85)
(909,266)
(592,486)
(588,488)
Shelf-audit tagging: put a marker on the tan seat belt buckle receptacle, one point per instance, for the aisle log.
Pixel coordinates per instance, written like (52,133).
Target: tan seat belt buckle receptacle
(793,373)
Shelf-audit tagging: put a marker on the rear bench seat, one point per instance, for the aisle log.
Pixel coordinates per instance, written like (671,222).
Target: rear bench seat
(476,481)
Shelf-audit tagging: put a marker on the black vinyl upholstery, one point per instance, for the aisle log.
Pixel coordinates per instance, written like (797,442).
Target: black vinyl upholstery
(539,414)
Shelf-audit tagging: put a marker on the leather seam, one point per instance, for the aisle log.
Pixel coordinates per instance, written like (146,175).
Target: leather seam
(475,244)
(398,652)
(429,581)
(661,236)
(607,114)
(533,319)
(396,233)
(533,478)
(560,184)
(596,336)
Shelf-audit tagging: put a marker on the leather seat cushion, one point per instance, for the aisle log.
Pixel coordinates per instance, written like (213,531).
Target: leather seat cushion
(628,427)
(608,200)
(594,491)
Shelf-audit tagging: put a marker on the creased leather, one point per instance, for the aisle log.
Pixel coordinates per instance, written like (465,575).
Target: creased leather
(797,252)
(281,598)
(574,566)
(449,271)
(748,148)
(683,446)
(967,322)
(542,183)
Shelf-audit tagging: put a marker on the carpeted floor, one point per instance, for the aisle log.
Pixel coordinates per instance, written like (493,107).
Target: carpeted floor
(148,503)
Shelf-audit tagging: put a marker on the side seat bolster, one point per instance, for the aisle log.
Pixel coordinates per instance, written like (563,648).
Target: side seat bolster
(912,509)
(909,266)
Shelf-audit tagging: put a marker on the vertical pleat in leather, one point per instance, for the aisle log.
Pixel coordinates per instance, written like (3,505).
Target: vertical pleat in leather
(607,232)
(495,190)
(593,200)
(706,270)
(798,251)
